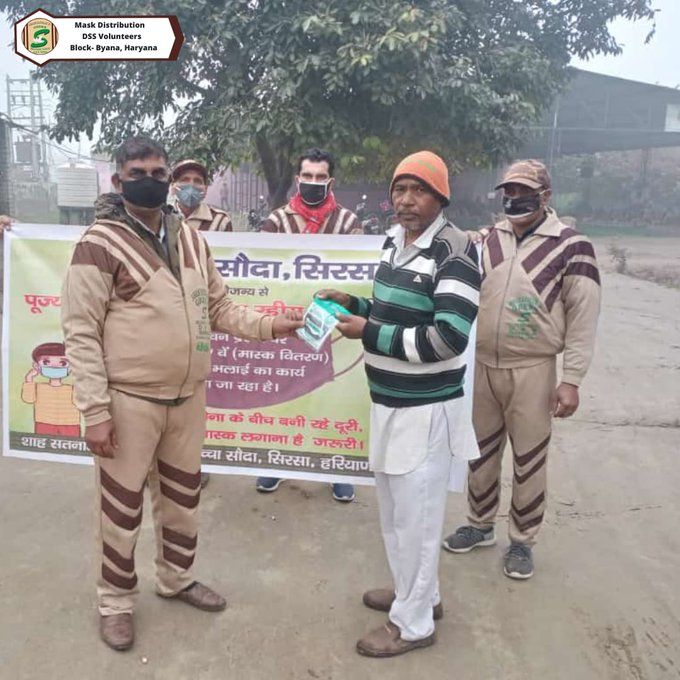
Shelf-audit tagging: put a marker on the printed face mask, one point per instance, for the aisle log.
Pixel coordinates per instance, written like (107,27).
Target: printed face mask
(54,372)
(522,206)
(313,193)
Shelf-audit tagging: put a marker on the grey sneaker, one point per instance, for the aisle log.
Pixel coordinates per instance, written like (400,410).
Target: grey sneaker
(469,537)
(518,562)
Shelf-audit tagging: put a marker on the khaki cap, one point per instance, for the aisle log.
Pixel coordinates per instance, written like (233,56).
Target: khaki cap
(189,164)
(530,173)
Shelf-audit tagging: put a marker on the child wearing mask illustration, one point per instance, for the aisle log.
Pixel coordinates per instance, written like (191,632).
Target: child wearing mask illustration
(54,412)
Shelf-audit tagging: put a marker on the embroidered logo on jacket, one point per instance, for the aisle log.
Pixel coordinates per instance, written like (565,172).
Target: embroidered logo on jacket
(525,306)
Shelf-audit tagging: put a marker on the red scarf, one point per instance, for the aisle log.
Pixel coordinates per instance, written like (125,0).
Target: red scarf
(313,215)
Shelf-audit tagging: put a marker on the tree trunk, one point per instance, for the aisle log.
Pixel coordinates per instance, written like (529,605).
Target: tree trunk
(277,168)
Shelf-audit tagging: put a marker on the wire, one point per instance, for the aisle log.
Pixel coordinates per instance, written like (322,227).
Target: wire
(64,150)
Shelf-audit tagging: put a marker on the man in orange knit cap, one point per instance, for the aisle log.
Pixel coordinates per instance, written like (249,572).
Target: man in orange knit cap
(415,330)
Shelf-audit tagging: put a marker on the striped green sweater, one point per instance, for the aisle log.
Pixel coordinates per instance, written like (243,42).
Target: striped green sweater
(419,318)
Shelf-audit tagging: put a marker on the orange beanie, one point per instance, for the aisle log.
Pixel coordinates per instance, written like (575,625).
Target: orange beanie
(428,168)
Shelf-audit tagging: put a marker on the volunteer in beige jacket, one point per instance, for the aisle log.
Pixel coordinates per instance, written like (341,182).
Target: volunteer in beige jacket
(540,297)
(140,298)
(189,185)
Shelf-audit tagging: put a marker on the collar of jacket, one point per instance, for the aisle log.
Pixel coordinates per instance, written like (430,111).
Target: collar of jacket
(424,241)
(552,227)
(201,213)
(111,207)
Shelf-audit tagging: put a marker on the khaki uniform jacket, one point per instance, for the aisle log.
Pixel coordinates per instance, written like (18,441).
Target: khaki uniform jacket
(208,218)
(286,221)
(539,297)
(139,323)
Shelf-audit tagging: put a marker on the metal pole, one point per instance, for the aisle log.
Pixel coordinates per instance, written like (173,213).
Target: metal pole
(34,139)
(553,135)
(43,142)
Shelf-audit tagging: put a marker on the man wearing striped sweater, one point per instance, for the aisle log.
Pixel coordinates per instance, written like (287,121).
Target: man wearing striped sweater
(540,296)
(414,331)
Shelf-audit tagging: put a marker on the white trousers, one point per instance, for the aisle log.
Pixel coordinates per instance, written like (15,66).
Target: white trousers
(412,509)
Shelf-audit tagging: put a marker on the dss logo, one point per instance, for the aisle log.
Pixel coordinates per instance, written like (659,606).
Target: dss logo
(39,36)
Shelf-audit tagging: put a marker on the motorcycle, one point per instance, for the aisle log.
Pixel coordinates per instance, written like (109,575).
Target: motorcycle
(257,216)
(370,222)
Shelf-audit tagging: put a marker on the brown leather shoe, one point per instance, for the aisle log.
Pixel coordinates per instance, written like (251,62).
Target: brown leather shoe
(201,597)
(117,631)
(382,599)
(386,641)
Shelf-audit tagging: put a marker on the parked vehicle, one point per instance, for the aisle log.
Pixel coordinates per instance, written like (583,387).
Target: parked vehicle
(257,216)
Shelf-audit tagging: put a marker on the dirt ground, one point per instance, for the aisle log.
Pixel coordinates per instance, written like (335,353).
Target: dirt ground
(604,603)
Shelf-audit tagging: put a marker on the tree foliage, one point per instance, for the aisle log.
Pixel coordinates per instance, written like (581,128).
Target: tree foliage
(368,79)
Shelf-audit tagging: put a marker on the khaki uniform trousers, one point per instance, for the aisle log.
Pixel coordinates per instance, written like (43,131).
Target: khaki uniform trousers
(514,403)
(161,443)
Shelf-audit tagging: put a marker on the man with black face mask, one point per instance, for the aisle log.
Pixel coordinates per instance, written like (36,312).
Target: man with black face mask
(540,296)
(139,301)
(312,210)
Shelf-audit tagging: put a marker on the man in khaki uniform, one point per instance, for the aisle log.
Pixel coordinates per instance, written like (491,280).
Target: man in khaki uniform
(540,296)
(189,185)
(139,301)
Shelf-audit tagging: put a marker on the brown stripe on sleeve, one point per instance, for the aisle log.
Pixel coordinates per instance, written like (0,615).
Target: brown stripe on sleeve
(137,264)
(353,226)
(198,245)
(554,268)
(493,247)
(332,222)
(125,286)
(291,225)
(547,247)
(124,238)
(583,269)
(552,296)
(186,249)
(96,255)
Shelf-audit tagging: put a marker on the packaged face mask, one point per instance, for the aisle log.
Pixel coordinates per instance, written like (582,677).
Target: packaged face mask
(320,320)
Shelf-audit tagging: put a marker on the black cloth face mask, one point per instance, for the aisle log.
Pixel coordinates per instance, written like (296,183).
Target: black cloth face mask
(146,192)
(313,193)
(522,206)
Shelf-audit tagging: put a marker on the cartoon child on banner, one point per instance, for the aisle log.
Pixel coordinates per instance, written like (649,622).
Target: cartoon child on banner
(54,412)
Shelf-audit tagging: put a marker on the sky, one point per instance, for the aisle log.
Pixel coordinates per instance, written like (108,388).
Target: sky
(657,62)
